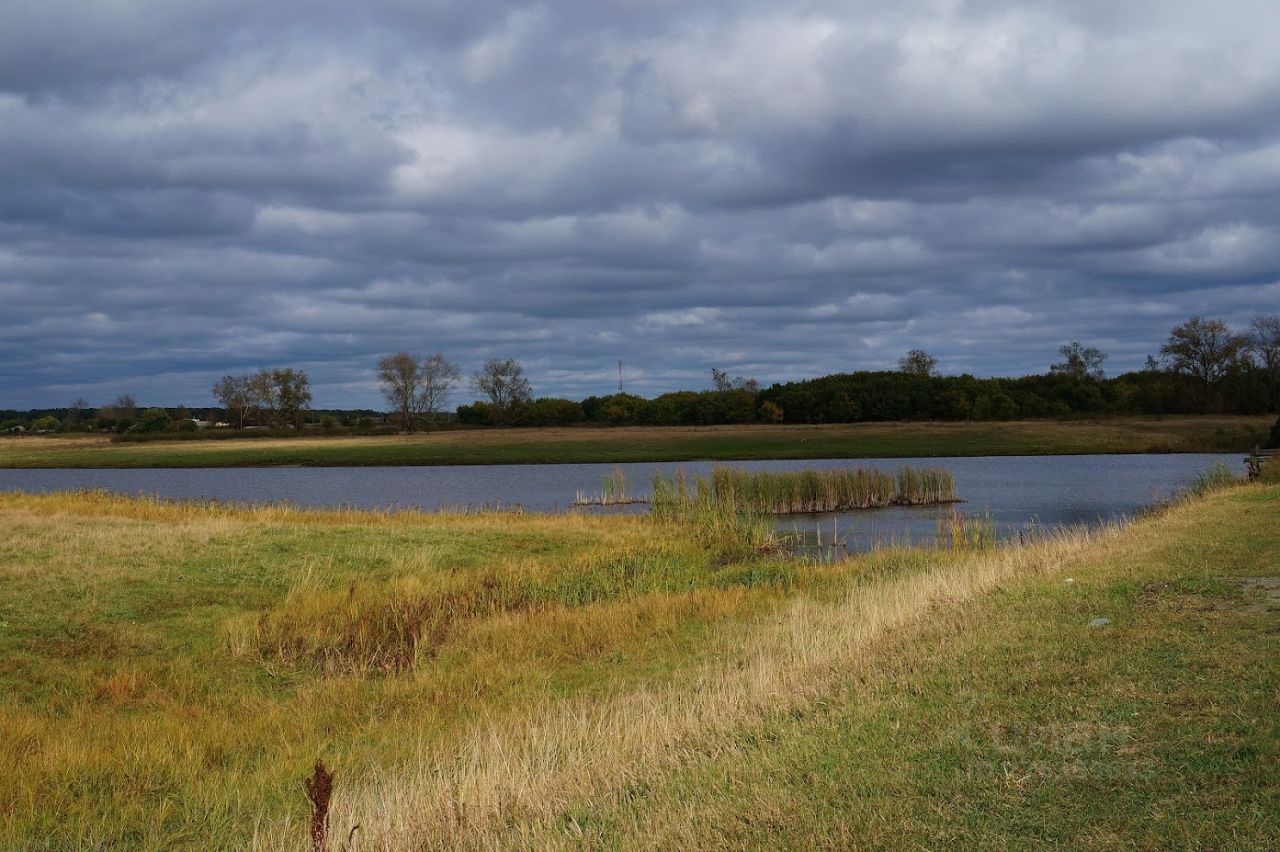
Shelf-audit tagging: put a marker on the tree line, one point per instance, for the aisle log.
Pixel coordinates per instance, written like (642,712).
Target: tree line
(1203,367)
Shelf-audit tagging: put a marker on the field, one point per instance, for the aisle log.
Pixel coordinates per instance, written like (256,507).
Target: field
(169,673)
(531,446)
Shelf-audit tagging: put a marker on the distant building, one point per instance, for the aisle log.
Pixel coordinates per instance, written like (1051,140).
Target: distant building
(200,424)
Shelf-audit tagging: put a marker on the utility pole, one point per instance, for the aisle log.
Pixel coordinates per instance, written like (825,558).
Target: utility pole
(620,377)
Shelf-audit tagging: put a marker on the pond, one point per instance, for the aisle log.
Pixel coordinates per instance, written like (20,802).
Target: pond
(1015,492)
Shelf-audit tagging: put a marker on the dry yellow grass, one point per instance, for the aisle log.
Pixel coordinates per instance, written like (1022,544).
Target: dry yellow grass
(169,668)
(508,781)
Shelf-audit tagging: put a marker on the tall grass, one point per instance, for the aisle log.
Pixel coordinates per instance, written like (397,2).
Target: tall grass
(613,492)
(1216,477)
(958,531)
(731,490)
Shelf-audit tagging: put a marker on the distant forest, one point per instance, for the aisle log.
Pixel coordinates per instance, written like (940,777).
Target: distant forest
(1204,368)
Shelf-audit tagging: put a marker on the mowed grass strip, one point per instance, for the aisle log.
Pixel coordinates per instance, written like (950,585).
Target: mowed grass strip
(534,446)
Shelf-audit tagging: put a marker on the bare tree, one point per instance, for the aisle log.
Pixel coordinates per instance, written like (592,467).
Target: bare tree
(1203,349)
(439,377)
(504,383)
(400,376)
(1080,362)
(917,362)
(722,381)
(123,408)
(1264,342)
(236,396)
(76,411)
(417,388)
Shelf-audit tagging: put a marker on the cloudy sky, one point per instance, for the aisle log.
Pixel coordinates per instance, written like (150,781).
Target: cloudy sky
(781,189)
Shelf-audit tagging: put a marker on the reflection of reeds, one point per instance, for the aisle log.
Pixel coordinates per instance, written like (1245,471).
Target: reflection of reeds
(613,492)
(800,491)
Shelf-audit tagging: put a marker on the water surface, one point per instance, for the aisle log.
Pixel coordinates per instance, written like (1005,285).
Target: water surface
(1014,491)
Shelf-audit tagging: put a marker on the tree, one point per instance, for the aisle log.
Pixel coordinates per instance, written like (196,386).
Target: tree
(439,377)
(1080,362)
(279,396)
(153,420)
(1264,342)
(401,379)
(917,362)
(1203,349)
(235,394)
(291,396)
(261,396)
(417,388)
(503,382)
(721,381)
(124,408)
(76,412)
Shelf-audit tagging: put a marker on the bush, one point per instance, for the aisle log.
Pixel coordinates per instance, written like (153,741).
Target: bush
(187,426)
(476,414)
(152,420)
(548,411)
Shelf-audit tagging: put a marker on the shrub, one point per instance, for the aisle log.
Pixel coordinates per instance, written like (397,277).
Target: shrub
(152,420)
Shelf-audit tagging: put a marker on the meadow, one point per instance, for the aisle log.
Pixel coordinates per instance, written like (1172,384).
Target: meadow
(170,673)
(658,443)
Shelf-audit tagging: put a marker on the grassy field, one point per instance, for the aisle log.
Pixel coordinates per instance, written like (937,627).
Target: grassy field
(169,674)
(532,446)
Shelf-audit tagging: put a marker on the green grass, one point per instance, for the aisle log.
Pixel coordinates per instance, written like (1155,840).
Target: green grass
(531,446)
(170,672)
(1014,724)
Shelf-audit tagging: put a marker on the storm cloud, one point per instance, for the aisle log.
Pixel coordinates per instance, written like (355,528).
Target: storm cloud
(781,190)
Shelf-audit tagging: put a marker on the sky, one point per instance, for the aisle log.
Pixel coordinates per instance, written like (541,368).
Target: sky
(778,189)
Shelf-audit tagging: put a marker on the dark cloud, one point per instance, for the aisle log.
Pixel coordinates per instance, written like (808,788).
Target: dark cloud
(779,190)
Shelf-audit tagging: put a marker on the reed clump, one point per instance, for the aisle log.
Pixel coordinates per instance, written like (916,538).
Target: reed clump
(1216,477)
(958,531)
(729,489)
(613,492)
